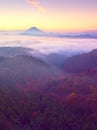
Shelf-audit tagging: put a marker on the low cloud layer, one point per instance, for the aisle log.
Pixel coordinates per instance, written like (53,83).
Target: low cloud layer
(49,45)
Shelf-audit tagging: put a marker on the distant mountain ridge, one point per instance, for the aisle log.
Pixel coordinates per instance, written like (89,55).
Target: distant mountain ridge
(34,31)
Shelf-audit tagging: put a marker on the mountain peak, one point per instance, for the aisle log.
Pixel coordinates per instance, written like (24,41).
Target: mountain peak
(34,28)
(33,31)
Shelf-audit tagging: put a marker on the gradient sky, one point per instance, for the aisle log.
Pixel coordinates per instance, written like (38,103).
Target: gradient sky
(48,15)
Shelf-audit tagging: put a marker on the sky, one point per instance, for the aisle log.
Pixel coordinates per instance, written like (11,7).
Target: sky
(49,15)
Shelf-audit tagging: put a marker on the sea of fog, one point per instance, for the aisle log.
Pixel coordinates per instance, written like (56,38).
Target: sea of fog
(49,45)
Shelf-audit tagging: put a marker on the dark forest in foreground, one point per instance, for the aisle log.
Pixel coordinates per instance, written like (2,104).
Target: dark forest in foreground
(41,96)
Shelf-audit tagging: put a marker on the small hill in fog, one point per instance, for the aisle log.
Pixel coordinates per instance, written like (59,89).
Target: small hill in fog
(82,62)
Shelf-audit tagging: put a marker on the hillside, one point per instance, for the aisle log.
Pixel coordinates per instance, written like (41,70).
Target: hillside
(36,95)
(26,71)
(82,62)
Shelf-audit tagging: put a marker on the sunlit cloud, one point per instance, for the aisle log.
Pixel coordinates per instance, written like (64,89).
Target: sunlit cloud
(37,5)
